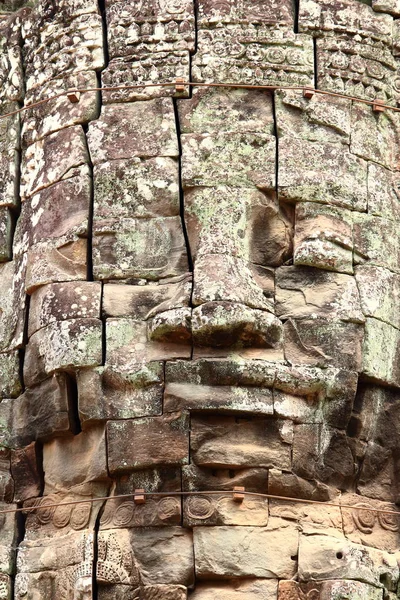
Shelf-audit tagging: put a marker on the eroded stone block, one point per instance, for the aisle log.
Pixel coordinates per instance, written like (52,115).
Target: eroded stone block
(252,589)
(139,248)
(138,129)
(266,552)
(147,442)
(12,304)
(196,478)
(10,384)
(62,301)
(291,590)
(229,442)
(63,345)
(379,289)
(27,472)
(223,510)
(380,351)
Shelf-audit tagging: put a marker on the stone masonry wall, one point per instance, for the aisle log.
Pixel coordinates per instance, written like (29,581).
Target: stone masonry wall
(199,290)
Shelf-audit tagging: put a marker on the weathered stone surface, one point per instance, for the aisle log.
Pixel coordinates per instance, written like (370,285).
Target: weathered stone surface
(63,345)
(8,540)
(38,413)
(133,357)
(369,244)
(155,512)
(136,188)
(62,301)
(59,113)
(139,248)
(223,510)
(325,557)
(181,396)
(238,160)
(59,212)
(6,233)
(196,478)
(52,159)
(10,384)
(152,441)
(269,552)
(367,527)
(148,131)
(26,472)
(321,118)
(12,304)
(228,442)
(323,238)
(164,592)
(375,136)
(164,555)
(144,301)
(335,177)
(106,394)
(380,351)
(387,6)
(256,589)
(322,342)
(382,192)
(307,293)
(228,324)
(291,590)
(219,110)
(62,260)
(288,484)
(75,460)
(9,162)
(379,289)
(245,11)
(233,54)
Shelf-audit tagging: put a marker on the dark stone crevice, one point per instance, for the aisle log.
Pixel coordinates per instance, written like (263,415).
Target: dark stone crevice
(73,406)
(296,16)
(103,13)
(89,258)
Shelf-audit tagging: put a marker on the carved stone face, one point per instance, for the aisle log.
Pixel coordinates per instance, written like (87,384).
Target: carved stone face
(213,283)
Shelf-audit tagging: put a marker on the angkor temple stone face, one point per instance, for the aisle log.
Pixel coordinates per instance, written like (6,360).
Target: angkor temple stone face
(199,291)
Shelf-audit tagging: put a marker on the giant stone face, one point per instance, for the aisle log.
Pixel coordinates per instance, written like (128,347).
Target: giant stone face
(199,293)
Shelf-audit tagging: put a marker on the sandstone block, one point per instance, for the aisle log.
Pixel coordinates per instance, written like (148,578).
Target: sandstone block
(104,394)
(164,592)
(325,119)
(60,211)
(52,159)
(217,110)
(63,345)
(303,292)
(12,304)
(380,351)
(291,590)
(371,246)
(252,589)
(136,188)
(39,412)
(8,540)
(229,442)
(374,136)
(379,289)
(26,472)
(323,238)
(155,512)
(223,510)
(142,302)
(246,12)
(265,552)
(147,442)
(39,123)
(228,324)
(10,384)
(335,176)
(289,484)
(382,198)
(387,6)
(220,56)
(75,460)
(9,144)
(323,342)
(196,478)
(139,248)
(237,160)
(325,557)
(181,396)
(367,527)
(62,301)
(57,261)
(138,129)
(164,555)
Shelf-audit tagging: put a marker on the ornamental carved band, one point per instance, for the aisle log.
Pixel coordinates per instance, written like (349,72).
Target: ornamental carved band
(200,291)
